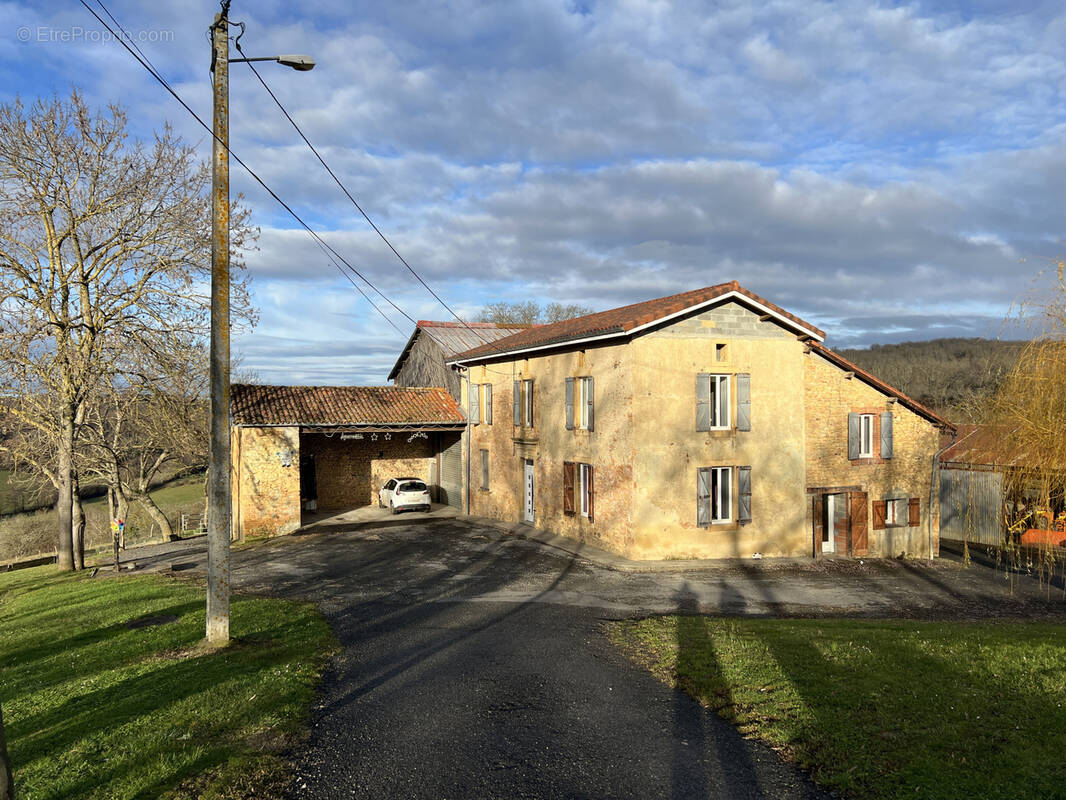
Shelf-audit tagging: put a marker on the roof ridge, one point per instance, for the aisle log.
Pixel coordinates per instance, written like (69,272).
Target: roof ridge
(626,319)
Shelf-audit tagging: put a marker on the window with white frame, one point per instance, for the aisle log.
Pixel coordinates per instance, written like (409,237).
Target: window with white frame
(712,402)
(527,403)
(584,486)
(896,512)
(714,495)
(485,396)
(866,435)
(579,491)
(584,403)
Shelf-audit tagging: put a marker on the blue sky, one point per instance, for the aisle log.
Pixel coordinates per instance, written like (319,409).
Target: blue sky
(887,172)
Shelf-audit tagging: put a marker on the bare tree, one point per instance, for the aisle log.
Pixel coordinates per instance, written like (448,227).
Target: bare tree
(104,250)
(530,312)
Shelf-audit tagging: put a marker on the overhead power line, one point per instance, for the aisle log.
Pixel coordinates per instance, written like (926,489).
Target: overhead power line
(349,195)
(330,251)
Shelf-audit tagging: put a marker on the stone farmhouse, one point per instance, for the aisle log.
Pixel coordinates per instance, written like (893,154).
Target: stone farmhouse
(707,424)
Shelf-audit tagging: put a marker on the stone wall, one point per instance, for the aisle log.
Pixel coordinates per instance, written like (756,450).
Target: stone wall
(728,340)
(645,450)
(265,492)
(829,396)
(607,448)
(349,472)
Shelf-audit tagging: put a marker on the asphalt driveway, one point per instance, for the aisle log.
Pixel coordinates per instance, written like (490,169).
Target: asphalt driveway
(474,662)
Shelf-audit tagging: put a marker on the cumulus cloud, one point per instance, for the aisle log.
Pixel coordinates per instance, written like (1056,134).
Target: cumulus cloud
(885,172)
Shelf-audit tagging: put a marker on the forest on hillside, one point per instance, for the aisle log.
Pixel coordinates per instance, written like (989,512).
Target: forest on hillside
(951,376)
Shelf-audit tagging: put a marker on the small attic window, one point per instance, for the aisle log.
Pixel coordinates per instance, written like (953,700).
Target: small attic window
(721,353)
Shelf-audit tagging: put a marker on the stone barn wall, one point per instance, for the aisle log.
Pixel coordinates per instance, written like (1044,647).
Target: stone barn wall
(350,472)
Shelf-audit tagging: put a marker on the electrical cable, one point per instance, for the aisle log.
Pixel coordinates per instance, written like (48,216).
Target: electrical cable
(144,62)
(348,194)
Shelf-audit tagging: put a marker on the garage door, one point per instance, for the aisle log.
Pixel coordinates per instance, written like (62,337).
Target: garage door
(451,470)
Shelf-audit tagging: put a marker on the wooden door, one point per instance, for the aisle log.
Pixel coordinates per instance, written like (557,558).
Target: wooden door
(857,517)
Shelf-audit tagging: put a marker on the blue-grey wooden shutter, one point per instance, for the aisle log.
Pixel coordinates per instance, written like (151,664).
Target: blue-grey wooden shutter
(743,402)
(744,494)
(529,402)
(703,402)
(853,435)
(488,403)
(475,404)
(703,497)
(886,434)
(517,404)
(569,404)
(589,400)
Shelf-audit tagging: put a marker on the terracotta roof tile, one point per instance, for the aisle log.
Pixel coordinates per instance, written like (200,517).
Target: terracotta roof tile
(622,320)
(342,405)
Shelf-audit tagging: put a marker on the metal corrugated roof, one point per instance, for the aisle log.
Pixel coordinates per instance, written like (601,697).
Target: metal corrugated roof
(343,405)
(454,337)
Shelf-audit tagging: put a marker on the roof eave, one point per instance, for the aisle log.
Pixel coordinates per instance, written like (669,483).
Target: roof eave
(804,330)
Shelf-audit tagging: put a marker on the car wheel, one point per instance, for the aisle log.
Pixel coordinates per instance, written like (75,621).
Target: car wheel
(395,510)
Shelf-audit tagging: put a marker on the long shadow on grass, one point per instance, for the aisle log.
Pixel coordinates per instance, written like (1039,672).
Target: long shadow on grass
(696,652)
(70,646)
(842,732)
(50,734)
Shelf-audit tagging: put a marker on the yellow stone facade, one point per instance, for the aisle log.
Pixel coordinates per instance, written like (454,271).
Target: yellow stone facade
(645,449)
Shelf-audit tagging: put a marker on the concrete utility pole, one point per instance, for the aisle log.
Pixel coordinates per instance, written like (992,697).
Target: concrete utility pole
(218,482)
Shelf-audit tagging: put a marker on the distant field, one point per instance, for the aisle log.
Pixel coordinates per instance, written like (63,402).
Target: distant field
(23,535)
(14,497)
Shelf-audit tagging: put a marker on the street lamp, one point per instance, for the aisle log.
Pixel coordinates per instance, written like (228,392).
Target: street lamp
(219,510)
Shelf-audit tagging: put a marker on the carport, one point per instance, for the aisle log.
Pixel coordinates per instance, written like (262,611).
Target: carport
(305,450)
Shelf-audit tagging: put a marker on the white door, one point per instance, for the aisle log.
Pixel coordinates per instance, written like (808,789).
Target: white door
(529,490)
(829,528)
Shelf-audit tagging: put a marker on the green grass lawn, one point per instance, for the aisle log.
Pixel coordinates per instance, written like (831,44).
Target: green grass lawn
(880,709)
(94,708)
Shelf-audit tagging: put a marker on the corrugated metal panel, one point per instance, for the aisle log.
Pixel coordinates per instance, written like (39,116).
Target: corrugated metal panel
(454,338)
(451,470)
(971,506)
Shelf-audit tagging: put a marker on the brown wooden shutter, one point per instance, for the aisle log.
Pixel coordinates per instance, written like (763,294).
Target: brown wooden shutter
(880,514)
(568,488)
(818,510)
(914,511)
(592,493)
(857,517)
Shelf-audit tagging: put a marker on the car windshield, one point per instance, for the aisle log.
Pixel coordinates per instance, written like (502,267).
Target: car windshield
(411,486)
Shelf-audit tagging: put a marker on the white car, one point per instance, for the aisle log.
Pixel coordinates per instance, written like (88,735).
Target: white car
(402,494)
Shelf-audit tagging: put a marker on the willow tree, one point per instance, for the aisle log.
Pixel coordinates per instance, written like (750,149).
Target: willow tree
(104,251)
